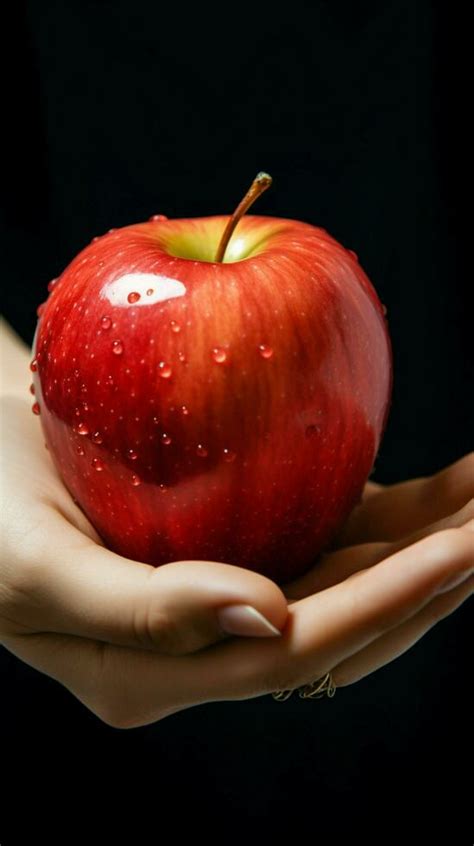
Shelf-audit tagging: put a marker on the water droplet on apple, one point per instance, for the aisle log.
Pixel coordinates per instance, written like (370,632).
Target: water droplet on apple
(182,357)
(184,410)
(34,365)
(98,464)
(80,450)
(32,388)
(95,238)
(133,297)
(162,488)
(110,231)
(158,217)
(175,327)
(52,284)
(312,430)
(265,351)
(106,322)
(156,421)
(97,438)
(36,408)
(353,254)
(40,309)
(219,355)
(165,370)
(201,451)
(132,454)
(384,309)
(229,455)
(136,481)
(165,439)
(117,347)
(81,429)
(150,292)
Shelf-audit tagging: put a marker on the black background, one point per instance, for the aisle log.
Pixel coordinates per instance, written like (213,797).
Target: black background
(120,110)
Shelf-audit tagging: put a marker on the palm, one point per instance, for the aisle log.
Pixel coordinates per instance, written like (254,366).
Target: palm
(33,468)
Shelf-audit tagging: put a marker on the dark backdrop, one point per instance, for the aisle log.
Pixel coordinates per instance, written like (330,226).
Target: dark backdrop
(120,110)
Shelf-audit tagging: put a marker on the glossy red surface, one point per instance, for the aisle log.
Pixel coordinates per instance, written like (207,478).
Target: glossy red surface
(228,412)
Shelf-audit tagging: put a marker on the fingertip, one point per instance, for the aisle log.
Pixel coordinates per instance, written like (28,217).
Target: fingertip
(246,621)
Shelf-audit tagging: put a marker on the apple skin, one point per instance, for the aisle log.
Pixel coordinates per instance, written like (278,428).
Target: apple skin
(232,412)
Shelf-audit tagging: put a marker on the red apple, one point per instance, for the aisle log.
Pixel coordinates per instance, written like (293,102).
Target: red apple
(227,411)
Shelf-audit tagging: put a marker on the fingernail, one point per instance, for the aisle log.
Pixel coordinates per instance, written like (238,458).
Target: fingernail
(245,620)
(456,580)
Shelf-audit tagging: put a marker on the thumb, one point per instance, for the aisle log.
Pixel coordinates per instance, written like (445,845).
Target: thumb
(175,609)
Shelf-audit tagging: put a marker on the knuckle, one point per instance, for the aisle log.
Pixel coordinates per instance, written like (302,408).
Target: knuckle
(24,566)
(155,629)
(106,693)
(114,716)
(107,712)
(15,598)
(113,696)
(107,705)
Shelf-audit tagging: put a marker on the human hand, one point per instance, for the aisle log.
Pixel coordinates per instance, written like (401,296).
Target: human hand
(136,644)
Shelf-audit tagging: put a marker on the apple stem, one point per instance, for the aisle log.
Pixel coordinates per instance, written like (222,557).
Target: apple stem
(260,184)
